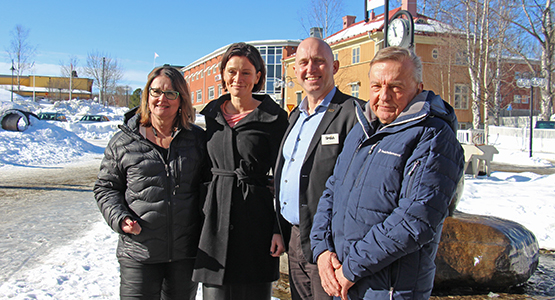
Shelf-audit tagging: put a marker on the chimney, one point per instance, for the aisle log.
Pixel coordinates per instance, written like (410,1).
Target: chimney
(316,32)
(372,15)
(348,21)
(410,6)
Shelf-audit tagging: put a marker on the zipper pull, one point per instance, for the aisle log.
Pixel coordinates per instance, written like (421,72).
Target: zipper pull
(391,293)
(372,148)
(167,170)
(414,167)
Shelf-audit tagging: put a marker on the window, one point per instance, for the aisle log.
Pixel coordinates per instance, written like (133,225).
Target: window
(435,54)
(272,58)
(525,99)
(356,55)
(335,55)
(354,90)
(299,97)
(210,93)
(220,92)
(208,71)
(517,99)
(199,96)
(461,58)
(461,96)
(192,97)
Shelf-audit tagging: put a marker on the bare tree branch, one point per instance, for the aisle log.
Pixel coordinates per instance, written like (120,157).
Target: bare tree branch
(21,53)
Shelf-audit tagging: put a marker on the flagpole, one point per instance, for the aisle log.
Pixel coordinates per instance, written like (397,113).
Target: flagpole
(386,22)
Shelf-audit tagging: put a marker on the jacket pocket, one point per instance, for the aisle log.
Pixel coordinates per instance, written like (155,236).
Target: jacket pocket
(412,177)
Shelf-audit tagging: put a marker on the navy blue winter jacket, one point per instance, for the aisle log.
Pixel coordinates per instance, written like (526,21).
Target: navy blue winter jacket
(384,206)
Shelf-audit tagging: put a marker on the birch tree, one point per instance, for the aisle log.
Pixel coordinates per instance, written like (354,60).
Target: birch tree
(106,71)
(537,21)
(20,51)
(326,14)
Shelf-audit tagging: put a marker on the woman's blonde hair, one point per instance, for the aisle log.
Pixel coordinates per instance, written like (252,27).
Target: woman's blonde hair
(186,114)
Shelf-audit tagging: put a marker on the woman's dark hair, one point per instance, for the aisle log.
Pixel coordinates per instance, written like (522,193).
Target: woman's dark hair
(253,55)
(186,115)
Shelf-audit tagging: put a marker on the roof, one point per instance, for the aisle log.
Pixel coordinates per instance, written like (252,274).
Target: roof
(422,25)
(220,51)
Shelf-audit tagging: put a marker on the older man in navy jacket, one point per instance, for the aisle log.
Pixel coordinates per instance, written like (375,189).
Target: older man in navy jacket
(378,225)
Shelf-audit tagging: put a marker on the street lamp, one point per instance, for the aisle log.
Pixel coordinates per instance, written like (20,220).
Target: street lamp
(282,83)
(531,83)
(12,69)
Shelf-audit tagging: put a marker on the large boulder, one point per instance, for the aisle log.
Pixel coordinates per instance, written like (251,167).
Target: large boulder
(484,252)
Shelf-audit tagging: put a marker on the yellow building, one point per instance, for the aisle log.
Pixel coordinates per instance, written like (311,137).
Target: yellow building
(356,44)
(51,87)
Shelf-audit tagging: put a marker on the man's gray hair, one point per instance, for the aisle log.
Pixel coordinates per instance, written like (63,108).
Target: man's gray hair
(400,54)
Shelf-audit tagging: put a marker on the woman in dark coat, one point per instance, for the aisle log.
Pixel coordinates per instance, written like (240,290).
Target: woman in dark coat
(149,191)
(239,249)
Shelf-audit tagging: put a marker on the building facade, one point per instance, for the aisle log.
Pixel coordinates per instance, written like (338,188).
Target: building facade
(444,65)
(51,87)
(205,80)
(357,43)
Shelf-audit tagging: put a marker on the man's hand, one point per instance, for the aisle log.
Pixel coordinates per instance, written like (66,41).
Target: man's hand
(277,247)
(130,226)
(345,283)
(327,262)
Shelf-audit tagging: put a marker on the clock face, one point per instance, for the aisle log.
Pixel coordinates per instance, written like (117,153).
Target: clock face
(396,32)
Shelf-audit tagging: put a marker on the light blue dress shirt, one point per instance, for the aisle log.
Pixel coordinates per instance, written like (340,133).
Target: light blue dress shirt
(294,151)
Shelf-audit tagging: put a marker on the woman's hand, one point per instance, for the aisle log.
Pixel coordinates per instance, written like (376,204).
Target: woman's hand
(130,226)
(277,247)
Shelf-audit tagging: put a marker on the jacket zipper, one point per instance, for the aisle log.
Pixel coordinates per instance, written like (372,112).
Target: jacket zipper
(171,191)
(412,178)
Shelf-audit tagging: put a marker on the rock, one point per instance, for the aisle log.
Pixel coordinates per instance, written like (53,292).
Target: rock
(484,252)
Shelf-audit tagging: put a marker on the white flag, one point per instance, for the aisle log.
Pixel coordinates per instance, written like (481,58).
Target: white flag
(156,55)
(375,3)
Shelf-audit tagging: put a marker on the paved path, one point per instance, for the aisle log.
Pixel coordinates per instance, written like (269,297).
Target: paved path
(43,208)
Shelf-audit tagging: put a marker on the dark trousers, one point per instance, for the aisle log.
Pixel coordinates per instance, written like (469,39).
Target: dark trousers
(165,281)
(252,291)
(304,279)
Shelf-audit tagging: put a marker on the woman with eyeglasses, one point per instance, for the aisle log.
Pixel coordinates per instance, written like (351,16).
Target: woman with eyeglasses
(149,190)
(240,245)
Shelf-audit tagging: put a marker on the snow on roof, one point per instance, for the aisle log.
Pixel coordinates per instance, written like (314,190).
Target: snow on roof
(422,25)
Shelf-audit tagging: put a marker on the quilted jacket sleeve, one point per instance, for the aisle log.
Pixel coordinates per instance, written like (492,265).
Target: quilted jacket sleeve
(320,235)
(109,189)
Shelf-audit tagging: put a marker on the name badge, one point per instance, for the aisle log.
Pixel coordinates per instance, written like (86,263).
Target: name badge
(330,139)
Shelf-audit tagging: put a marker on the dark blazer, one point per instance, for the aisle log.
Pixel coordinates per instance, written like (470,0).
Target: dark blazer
(239,213)
(318,164)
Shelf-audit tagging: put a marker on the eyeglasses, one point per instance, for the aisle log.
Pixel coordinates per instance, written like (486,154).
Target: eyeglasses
(171,95)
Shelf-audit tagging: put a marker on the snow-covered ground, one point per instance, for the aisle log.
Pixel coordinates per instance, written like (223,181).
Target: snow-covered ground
(87,267)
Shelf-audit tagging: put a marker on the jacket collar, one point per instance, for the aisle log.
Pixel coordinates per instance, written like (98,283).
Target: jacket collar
(266,112)
(424,104)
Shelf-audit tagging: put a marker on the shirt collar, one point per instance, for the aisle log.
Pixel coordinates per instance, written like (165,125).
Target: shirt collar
(303,107)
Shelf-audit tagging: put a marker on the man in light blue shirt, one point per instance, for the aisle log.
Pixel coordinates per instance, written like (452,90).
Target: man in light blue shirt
(294,151)
(314,139)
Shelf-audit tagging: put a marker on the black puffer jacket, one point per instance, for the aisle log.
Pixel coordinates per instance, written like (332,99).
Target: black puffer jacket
(165,198)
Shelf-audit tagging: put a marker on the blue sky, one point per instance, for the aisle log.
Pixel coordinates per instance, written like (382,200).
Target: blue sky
(132,31)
